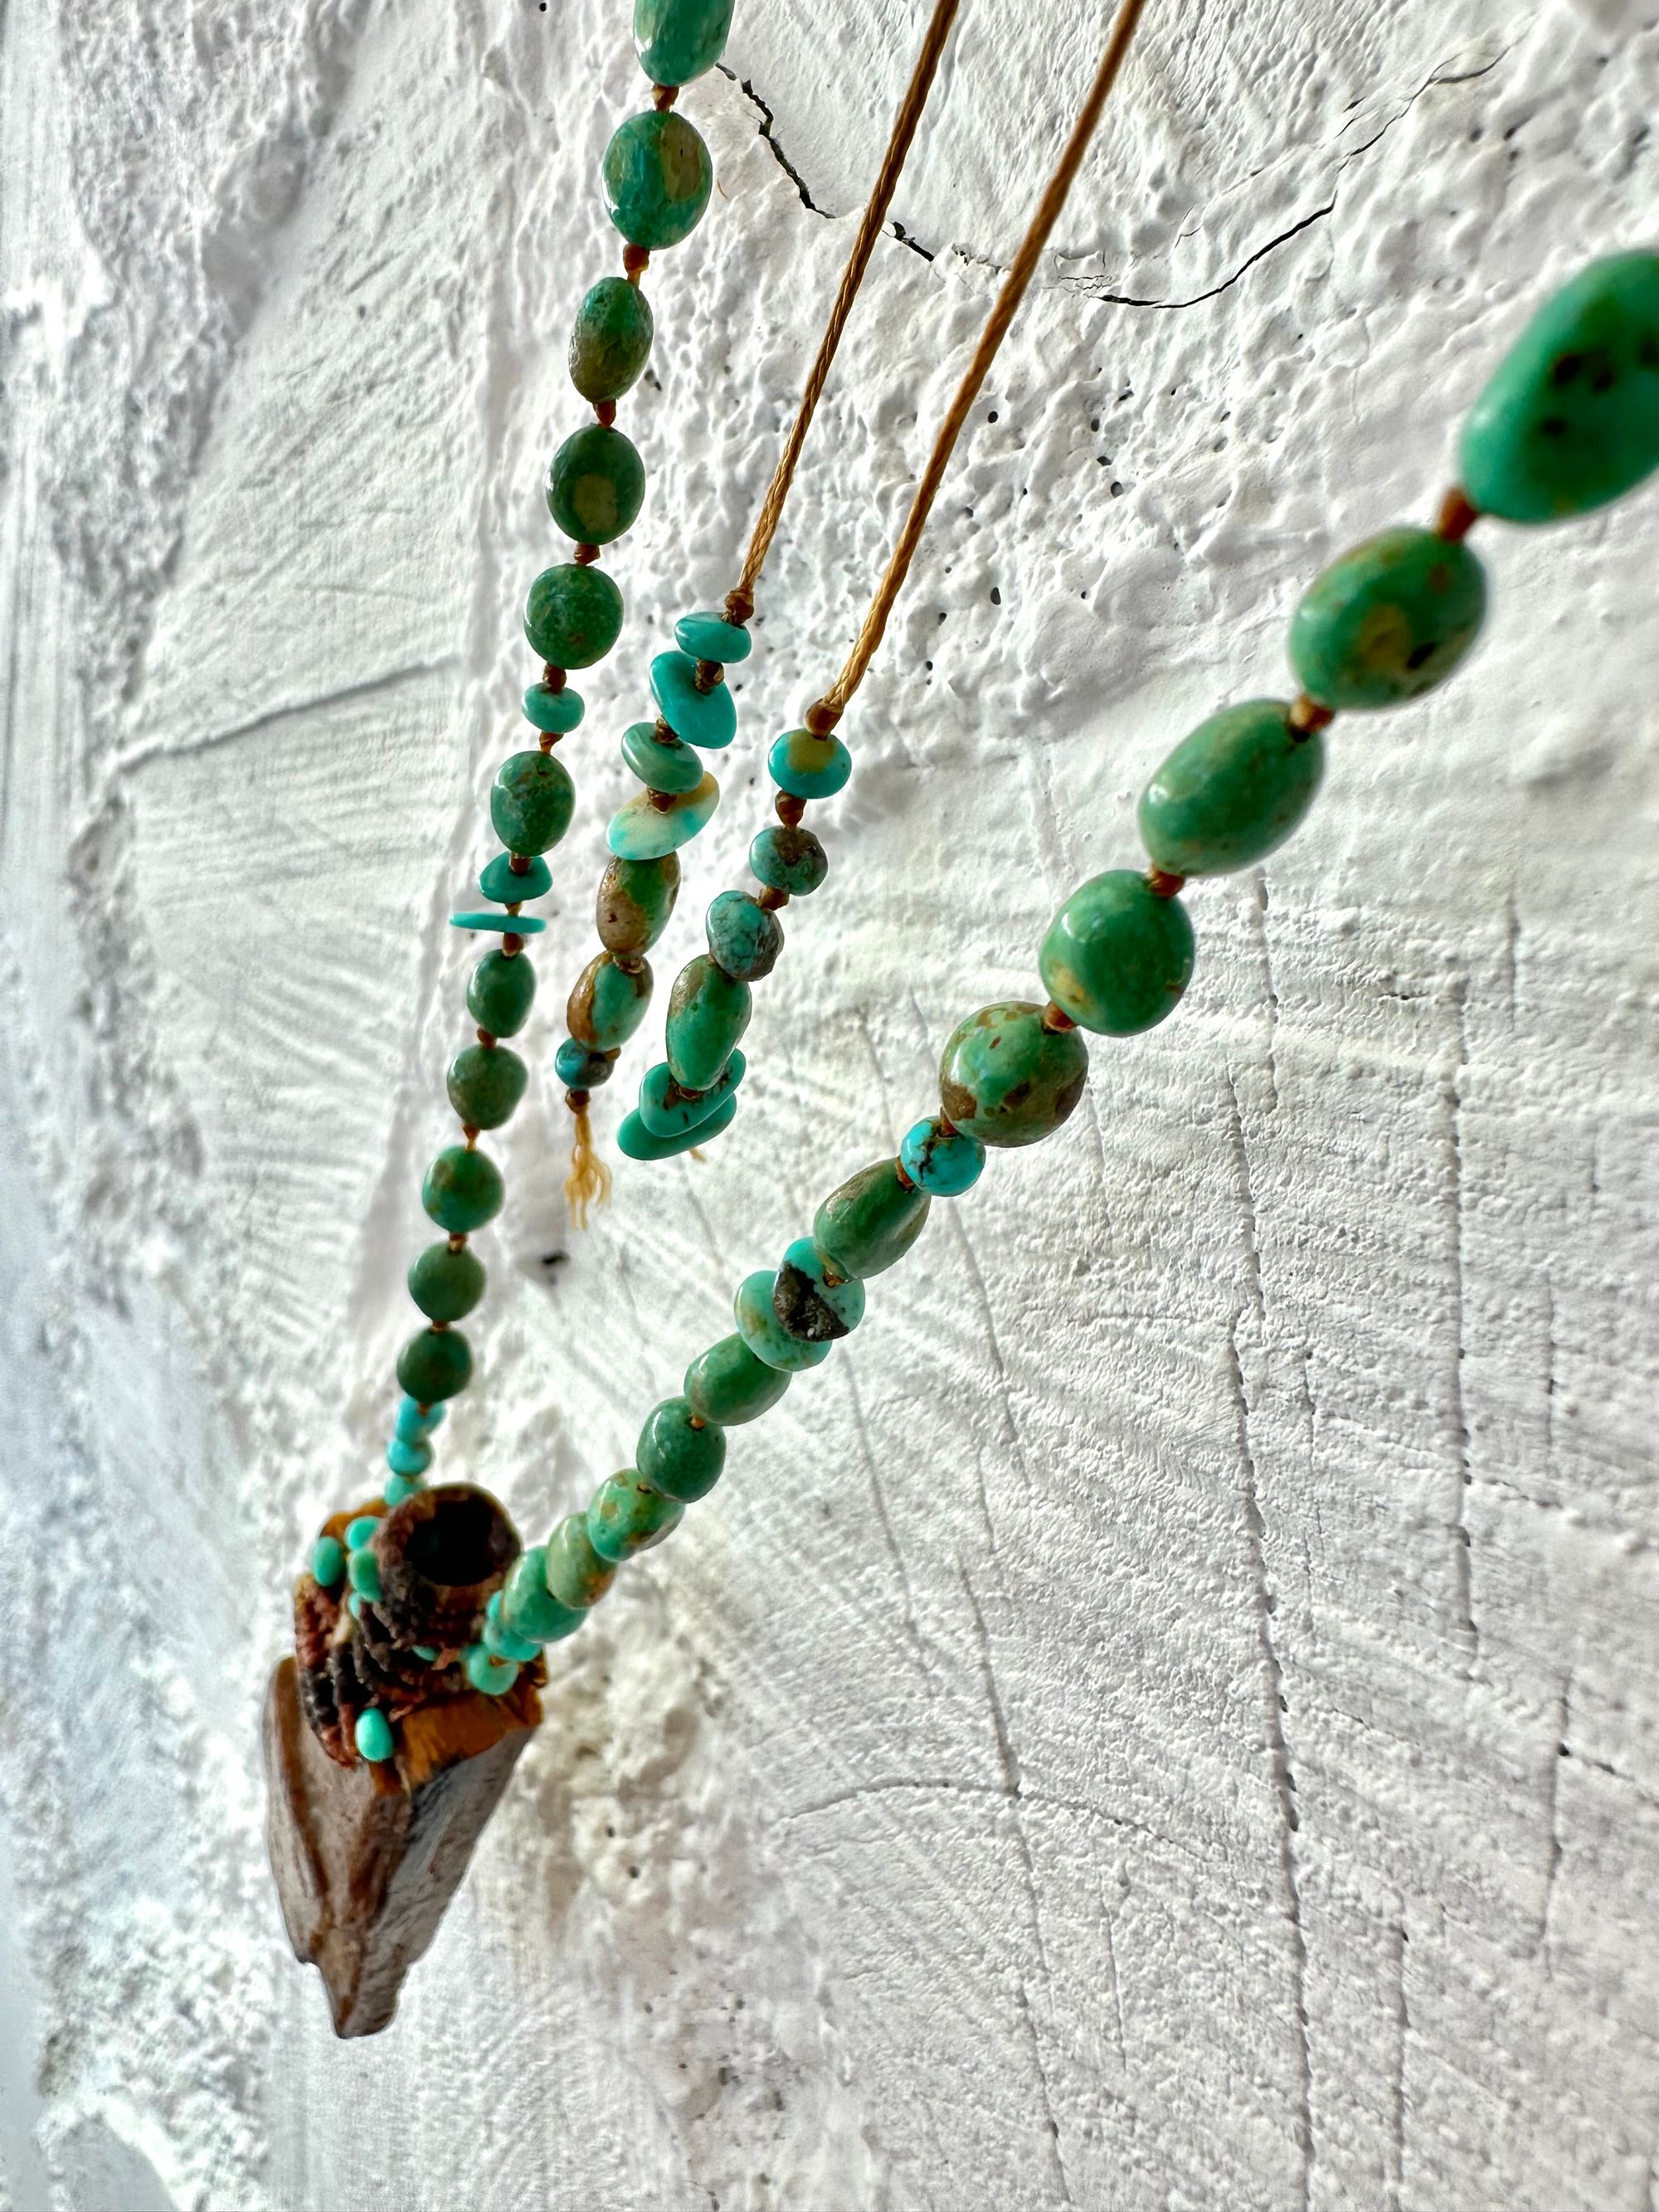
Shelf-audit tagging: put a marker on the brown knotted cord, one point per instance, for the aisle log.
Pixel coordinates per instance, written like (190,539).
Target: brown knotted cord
(828,711)
(740,603)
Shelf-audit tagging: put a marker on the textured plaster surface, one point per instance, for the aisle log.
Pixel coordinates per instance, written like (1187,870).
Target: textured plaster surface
(1166,1717)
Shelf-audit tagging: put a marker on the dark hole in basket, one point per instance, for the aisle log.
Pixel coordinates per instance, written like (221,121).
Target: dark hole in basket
(462,1541)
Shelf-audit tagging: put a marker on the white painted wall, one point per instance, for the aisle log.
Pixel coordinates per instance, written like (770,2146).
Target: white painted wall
(1166,1717)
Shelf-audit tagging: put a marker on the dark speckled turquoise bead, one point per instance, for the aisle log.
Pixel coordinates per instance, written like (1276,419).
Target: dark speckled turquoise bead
(939,1159)
(1006,1079)
(573,616)
(1232,791)
(611,343)
(559,712)
(596,484)
(707,1012)
(529,1608)
(497,879)
(788,859)
(809,767)
(679,39)
(744,938)
(608,1002)
(486,1082)
(765,1334)
(682,1461)
(576,1576)
(708,719)
(581,1069)
(813,1299)
(711,637)
(666,1110)
(461,1191)
(1389,620)
(1116,957)
(728,1385)
(434,1365)
(1571,419)
(635,1139)
(628,1516)
(445,1285)
(531,803)
(871,1222)
(660,764)
(658,177)
(500,993)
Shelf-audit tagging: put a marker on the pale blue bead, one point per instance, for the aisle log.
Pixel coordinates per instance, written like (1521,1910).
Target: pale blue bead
(427,1651)
(637,1141)
(665,1110)
(397,1487)
(661,763)
(640,832)
(493,1676)
(498,880)
(404,1457)
(412,1423)
(328,1560)
(711,637)
(513,925)
(499,1642)
(373,1735)
(362,1531)
(842,1294)
(765,1334)
(939,1160)
(709,719)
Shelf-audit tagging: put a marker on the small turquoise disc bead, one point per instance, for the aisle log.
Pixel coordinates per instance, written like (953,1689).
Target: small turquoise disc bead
(506,925)
(628,1516)
(707,1012)
(939,1159)
(639,832)
(531,803)
(679,39)
(500,1641)
(636,1139)
(1005,1079)
(501,993)
(765,1334)
(407,1459)
(711,637)
(573,616)
(435,1364)
(576,1573)
(660,764)
(667,1110)
(682,1461)
(1388,621)
(1117,956)
(445,1285)
(397,1487)
(870,1222)
(807,766)
(728,1385)
(636,899)
(610,342)
(363,1573)
(498,880)
(744,938)
(558,712)
(362,1531)
(813,1300)
(486,1082)
(373,1736)
(327,1560)
(706,718)
(596,484)
(788,859)
(608,1002)
(658,177)
(461,1191)
(1571,419)
(529,1608)
(490,1676)
(580,1068)
(1231,792)
(415,1421)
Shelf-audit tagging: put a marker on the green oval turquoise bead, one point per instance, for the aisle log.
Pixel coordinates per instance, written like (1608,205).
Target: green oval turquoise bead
(727,1385)
(462,1191)
(626,1516)
(639,1143)
(531,803)
(683,1462)
(596,484)
(707,1012)
(658,177)
(576,1573)
(559,712)
(1570,418)
(706,719)
(486,1082)
(765,1334)
(788,859)
(372,1736)
(497,880)
(665,1110)
(1116,957)
(573,616)
(500,1641)
(434,1365)
(445,1285)
(529,1608)
(1005,1079)
(660,764)
(1232,791)
(360,1531)
(363,1573)
(610,342)
(608,1002)
(939,1159)
(744,938)
(490,1676)
(327,1560)
(1388,621)
(679,39)
(636,899)
(813,1300)
(870,1222)
(501,992)
(639,830)
(711,637)
(406,1459)
(807,766)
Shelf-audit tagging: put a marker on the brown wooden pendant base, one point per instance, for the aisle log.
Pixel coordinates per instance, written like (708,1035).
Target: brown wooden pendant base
(367,1857)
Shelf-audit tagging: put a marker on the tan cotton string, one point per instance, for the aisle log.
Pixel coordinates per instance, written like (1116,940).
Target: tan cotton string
(828,710)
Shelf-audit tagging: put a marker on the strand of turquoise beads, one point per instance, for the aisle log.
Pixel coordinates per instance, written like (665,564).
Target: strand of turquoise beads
(1569,423)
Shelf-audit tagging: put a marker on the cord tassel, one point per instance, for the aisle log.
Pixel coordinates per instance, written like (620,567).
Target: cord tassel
(588,1183)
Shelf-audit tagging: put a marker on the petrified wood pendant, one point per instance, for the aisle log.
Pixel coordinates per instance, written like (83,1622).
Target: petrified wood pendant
(367,1854)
